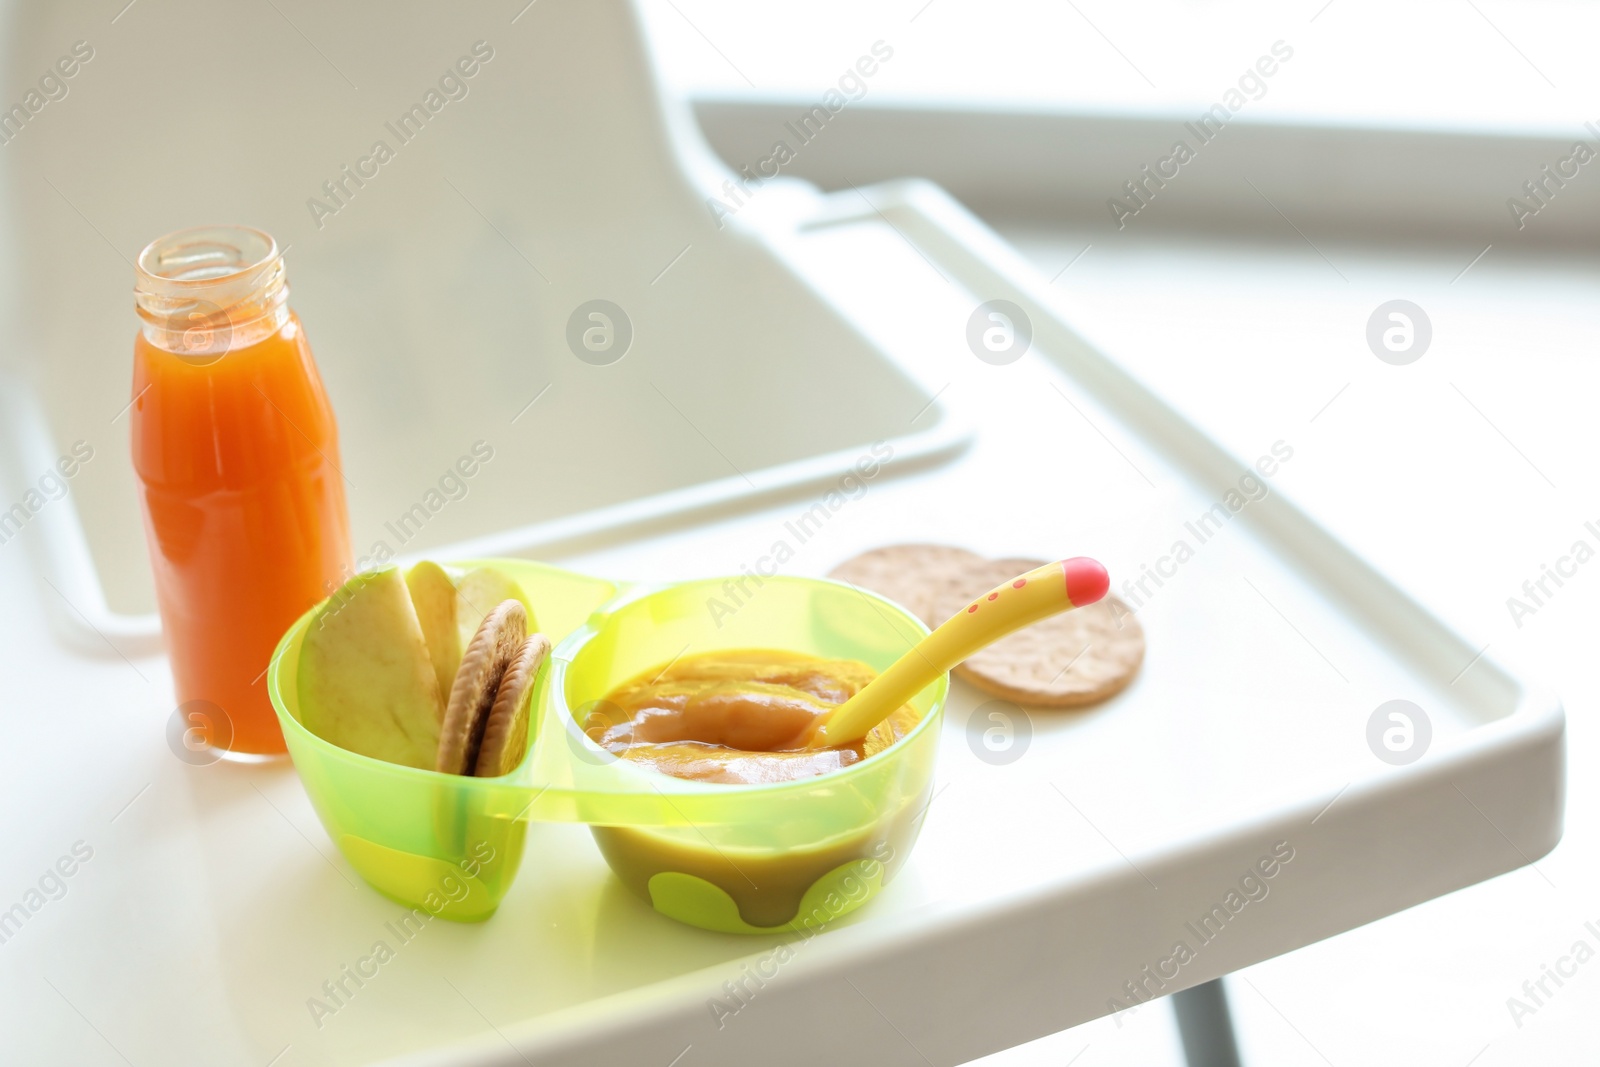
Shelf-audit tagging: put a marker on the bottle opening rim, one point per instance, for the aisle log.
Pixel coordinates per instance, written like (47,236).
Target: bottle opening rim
(204,256)
(206,290)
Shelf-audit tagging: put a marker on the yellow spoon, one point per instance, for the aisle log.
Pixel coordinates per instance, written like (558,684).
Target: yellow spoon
(1044,591)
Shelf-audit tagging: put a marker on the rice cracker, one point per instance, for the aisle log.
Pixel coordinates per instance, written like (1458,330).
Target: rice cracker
(1075,658)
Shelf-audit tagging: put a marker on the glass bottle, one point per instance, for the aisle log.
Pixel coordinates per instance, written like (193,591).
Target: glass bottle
(237,456)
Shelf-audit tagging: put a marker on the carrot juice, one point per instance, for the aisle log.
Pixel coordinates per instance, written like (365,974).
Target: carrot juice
(237,455)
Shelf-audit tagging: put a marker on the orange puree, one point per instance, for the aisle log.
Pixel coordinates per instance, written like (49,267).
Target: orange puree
(739,717)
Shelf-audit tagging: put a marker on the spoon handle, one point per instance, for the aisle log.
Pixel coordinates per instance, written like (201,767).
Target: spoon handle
(1027,598)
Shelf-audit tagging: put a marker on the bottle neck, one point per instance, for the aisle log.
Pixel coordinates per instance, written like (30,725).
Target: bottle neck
(203,292)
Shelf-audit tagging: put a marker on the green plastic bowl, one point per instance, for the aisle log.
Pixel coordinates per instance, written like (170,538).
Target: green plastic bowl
(443,842)
(746,859)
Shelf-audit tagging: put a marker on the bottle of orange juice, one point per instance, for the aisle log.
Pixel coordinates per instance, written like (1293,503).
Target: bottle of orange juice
(237,455)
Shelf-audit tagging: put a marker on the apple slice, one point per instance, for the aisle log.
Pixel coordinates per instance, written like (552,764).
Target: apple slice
(479,592)
(433,594)
(367,682)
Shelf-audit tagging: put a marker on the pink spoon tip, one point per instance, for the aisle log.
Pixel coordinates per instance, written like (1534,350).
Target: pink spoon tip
(1087,581)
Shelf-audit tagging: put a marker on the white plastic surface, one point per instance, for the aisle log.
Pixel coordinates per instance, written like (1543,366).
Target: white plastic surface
(213,909)
(1037,889)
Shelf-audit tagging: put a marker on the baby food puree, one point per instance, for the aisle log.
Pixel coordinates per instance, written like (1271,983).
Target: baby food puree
(739,717)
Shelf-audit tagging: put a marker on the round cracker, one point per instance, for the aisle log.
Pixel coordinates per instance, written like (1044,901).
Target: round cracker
(505,735)
(912,575)
(1074,658)
(472,693)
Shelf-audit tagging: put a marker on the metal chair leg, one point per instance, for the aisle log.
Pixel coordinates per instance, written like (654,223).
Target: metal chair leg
(1205,1026)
